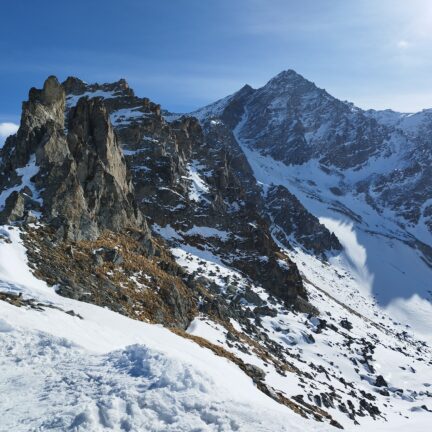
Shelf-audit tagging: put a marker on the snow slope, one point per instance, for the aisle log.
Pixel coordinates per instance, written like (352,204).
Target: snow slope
(330,360)
(377,249)
(107,372)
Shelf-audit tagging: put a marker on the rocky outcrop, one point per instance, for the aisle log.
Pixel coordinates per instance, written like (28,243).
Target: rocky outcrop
(290,218)
(115,271)
(14,208)
(76,170)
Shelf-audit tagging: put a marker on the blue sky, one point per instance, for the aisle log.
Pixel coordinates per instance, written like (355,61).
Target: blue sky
(187,53)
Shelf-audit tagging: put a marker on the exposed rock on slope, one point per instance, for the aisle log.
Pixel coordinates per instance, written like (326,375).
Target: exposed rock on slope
(194,179)
(291,218)
(76,178)
(115,271)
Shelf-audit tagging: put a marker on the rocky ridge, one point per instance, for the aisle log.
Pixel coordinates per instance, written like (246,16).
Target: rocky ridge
(71,173)
(189,176)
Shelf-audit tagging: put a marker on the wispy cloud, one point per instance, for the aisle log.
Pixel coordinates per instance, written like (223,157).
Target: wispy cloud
(403,44)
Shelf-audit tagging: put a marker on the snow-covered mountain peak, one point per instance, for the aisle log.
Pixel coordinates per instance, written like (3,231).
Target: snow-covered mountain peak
(295,122)
(286,79)
(288,88)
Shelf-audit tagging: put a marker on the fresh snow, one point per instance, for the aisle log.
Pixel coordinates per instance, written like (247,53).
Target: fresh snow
(329,349)
(198,187)
(208,232)
(125,116)
(169,233)
(72,100)
(107,372)
(376,247)
(212,110)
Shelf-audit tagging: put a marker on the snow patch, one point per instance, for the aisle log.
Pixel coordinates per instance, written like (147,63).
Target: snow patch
(198,187)
(26,173)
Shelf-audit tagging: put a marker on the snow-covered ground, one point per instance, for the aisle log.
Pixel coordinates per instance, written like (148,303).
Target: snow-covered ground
(377,249)
(26,173)
(107,372)
(72,100)
(332,288)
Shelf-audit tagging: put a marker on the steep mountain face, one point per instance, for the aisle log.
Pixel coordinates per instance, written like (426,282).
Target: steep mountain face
(293,121)
(382,156)
(410,191)
(271,248)
(289,216)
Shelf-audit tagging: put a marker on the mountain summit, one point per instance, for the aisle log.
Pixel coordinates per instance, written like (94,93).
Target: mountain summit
(385,160)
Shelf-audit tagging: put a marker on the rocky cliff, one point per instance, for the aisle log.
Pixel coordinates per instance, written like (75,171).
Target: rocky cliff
(68,171)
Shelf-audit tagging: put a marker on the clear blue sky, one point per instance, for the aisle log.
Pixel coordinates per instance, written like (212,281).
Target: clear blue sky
(187,53)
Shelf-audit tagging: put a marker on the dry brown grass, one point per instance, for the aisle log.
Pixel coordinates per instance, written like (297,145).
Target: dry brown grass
(150,299)
(56,262)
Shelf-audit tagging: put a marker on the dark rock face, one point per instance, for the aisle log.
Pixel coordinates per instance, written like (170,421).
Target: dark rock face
(380,381)
(293,121)
(79,174)
(346,324)
(290,216)
(14,208)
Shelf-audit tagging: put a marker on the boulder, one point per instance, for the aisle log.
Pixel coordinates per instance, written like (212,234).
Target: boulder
(380,381)
(14,208)
(256,373)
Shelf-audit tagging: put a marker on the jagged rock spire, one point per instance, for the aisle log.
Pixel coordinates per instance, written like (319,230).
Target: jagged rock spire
(80,176)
